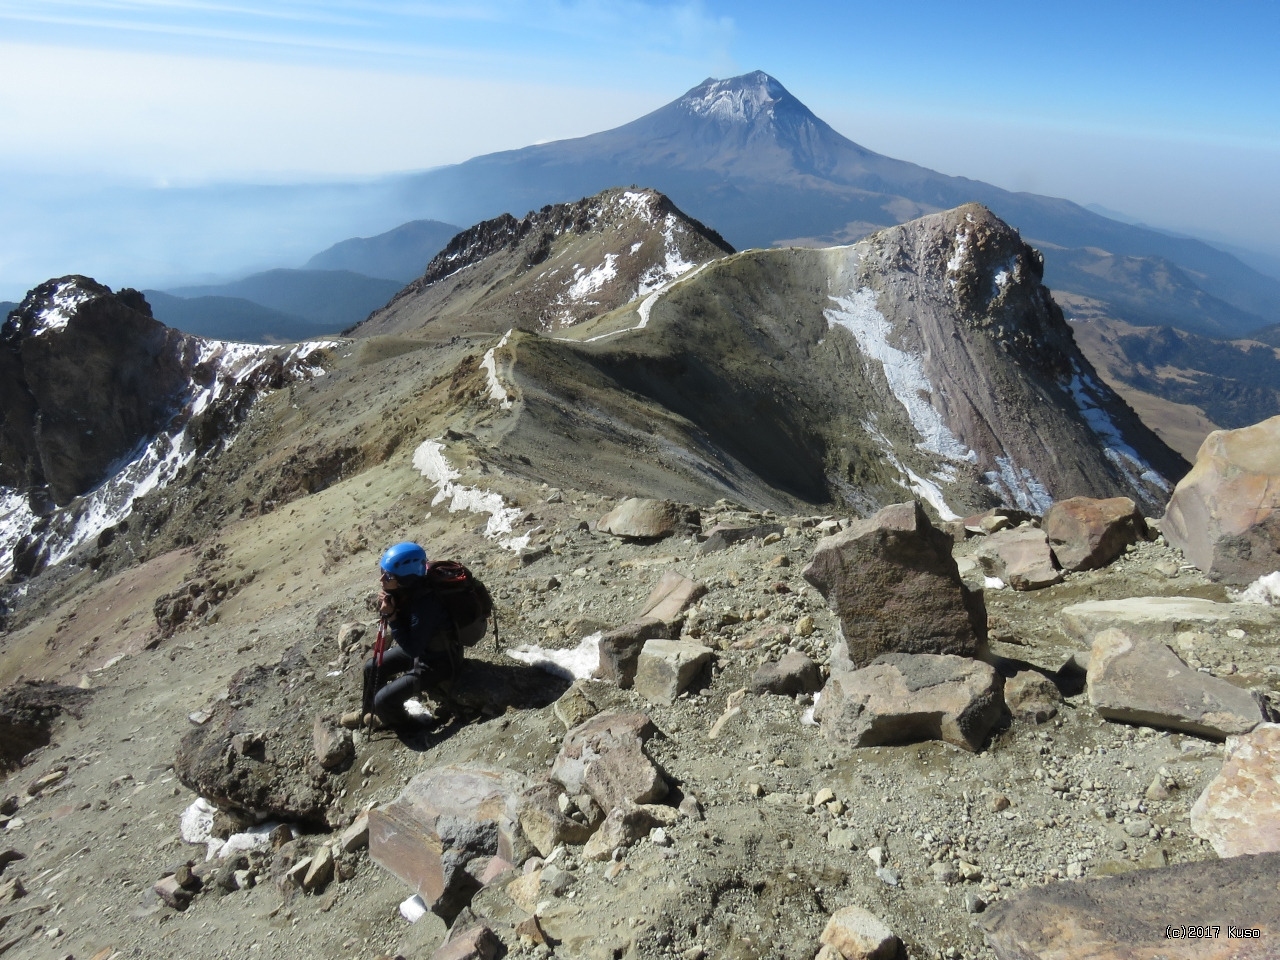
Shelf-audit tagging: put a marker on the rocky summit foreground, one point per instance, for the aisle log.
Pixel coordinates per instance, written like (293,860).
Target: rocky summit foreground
(836,620)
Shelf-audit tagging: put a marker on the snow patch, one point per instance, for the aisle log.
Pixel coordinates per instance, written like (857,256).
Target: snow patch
(806,718)
(580,663)
(1266,589)
(66,299)
(489,364)
(585,284)
(1017,485)
(925,489)
(729,100)
(1116,449)
(429,460)
(904,371)
(960,254)
(992,583)
(637,204)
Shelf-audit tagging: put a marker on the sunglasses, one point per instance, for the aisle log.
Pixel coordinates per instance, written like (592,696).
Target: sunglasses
(386,577)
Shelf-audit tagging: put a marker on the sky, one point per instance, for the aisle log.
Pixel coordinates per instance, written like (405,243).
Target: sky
(1167,113)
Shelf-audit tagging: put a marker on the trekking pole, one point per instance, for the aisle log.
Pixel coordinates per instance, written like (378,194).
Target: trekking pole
(379,648)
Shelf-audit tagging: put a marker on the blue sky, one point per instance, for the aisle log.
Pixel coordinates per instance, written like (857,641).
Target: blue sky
(1169,112)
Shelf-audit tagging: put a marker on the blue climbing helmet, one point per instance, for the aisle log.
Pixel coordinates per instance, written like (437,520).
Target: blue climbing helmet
(404,560)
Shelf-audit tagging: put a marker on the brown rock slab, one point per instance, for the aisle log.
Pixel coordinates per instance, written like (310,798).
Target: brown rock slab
(1131,917)
(908,698)
(624,773)
(894,585)
(674,594)
(1086,534)
(640,519)
(1162,618)
(1239,811)
(722,536)
(857,934)
(1224,515)
(666,668)
(621,828)
(1145,682)
(620,648)
(574,706)
(794,673)
(442,820)
(173,893)
(1021,558)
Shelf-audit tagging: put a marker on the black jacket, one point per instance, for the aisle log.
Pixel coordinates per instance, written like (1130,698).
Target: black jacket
(420,626)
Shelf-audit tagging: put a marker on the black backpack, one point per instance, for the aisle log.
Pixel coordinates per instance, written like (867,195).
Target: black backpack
(465,598)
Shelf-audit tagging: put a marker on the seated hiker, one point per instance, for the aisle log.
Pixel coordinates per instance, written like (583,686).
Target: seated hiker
(421,651)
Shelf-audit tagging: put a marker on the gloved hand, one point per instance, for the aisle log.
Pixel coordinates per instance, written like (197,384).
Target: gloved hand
(386,604)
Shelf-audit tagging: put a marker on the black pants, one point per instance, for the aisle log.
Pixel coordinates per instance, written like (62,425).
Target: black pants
(389,698)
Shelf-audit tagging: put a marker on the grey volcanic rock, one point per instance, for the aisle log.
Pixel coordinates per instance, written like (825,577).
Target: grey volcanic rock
(1128,917)
(1225,514)
(895,587)
(1143,681)
(641,519)
(1020,557)
(27,712)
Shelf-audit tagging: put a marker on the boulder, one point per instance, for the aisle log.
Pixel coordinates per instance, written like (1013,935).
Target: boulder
(623,826)
(895,587)
(1239,811)
(1132,916)
(666,668)
(794,673)
(256,755)
(638,519)
(605,757)
(475,943)
(574,705)
(1020,557)
(995,520)
(1225,514)
(1031,696)
(443,820)
(620,648)
(27,713)
(1162,618)
(333,744)
(674,594)
(908,698)
(1086,534)
(543,822)
(1145,682)
(857,934)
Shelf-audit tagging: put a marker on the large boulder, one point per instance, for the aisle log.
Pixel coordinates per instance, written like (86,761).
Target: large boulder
(1239,811)
(1143,915)
(894,585)
(443,820)
(1163,618)
(1086,533)
(605,757)
(255,756)
(1020,557)
(27,712)
(638,519)
(908,698)
(1145,682)
(1225,514)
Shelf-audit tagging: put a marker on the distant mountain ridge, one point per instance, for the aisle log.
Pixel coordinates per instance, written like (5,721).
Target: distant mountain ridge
(400,254)
(325,300)
(748,158)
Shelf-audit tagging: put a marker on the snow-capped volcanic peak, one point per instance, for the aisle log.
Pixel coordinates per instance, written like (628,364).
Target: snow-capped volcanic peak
(741,99)
(59,306)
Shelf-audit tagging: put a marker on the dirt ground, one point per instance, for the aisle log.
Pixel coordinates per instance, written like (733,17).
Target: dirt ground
(922,835)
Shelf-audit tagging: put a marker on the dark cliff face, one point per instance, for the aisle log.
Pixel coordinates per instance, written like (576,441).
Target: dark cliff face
(85,377)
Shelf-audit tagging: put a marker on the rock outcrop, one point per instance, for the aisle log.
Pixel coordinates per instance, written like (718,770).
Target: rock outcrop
(1225,514)
(1086,534)
(894,585)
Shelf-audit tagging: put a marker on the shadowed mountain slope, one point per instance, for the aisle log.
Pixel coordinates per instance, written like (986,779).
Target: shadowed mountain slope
(400,254)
